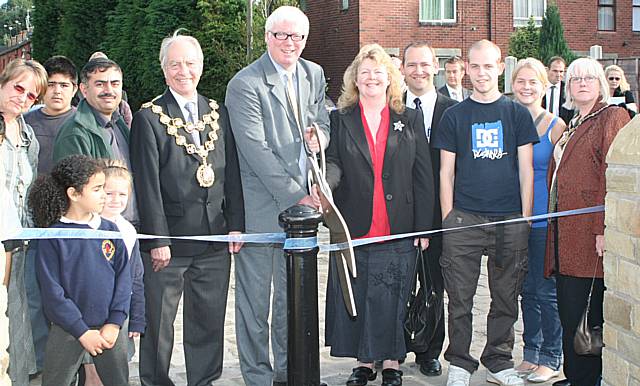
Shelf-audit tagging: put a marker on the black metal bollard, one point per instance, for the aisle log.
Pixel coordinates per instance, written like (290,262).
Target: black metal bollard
(303,354)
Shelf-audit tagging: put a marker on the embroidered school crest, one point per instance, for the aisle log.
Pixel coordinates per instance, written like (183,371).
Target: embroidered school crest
(108,249)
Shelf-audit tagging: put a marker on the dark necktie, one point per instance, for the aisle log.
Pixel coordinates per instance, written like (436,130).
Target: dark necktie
(553,100)
(418,104)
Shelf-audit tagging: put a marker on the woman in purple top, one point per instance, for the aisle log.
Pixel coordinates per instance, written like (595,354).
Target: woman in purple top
(542,332)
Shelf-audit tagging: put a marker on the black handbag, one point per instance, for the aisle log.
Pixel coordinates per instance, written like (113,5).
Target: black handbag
(424,309)
(588,340)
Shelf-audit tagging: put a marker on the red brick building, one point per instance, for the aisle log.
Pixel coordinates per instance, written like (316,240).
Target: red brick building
(340,27)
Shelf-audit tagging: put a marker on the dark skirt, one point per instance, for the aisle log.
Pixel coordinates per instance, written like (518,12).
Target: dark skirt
(380,291)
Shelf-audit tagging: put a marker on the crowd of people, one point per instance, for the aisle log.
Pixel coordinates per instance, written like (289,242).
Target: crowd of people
(402,156)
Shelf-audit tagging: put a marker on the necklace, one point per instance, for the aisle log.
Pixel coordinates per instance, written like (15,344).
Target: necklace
(204,174)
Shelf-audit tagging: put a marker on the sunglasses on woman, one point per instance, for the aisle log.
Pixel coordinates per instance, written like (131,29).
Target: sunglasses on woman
(614,78)
(21,90)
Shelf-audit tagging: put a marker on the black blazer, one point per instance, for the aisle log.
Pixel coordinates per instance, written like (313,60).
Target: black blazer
(445,91)
(407,174)
(170,200)
(565,114)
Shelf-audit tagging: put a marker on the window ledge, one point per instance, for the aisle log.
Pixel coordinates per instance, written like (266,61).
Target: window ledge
(447,23)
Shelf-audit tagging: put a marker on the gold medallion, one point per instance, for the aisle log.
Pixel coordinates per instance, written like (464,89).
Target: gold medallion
(205,175)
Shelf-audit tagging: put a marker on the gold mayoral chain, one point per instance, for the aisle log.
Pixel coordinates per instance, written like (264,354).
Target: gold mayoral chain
(204,174)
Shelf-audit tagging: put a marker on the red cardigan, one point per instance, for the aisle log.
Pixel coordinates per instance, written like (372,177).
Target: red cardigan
(581,183)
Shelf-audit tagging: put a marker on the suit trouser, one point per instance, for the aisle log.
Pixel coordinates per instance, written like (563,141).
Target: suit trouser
(432,257)
(255,266)
(461,259)
(204,283)
(64,354)
(580,370)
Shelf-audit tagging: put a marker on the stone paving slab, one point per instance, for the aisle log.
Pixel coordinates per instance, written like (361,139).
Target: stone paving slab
(334,371)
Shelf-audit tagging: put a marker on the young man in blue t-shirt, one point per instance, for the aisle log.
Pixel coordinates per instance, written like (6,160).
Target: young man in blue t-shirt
(486,175)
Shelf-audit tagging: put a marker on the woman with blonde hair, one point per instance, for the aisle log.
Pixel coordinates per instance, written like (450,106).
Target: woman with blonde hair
(619,88)
(542,333)
(379,168)
(21,84)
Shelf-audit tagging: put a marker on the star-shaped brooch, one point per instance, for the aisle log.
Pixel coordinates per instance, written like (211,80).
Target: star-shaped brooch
(398,126)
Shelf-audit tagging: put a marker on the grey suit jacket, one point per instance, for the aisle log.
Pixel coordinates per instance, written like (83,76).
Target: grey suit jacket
(267,138)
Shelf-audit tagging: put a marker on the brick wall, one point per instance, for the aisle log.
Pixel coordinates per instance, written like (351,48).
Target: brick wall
(337,35)
(621,356)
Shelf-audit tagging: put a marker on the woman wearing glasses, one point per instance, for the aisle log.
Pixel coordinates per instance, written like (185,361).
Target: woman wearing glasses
(619,88)
(21,83)
(577,180)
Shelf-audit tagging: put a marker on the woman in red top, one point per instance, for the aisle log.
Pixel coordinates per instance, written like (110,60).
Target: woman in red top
(379,168)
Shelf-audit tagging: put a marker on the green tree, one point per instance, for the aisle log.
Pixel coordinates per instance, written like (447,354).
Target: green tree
(46,25)
(82,28)
(523,43)
(551,40)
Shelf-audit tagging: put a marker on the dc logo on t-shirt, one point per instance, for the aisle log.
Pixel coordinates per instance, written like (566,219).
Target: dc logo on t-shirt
(487,140)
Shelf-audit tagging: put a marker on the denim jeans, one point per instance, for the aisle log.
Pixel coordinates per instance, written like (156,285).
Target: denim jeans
(542,330)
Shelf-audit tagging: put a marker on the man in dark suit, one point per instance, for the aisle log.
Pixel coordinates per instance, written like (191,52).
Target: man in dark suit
(186,171)
(419,67)
(454,72)
(271,101)
(555,90)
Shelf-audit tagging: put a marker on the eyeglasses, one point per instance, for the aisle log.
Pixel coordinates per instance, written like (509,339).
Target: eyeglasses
(614,78)
(285,36)
(578,79)
(21,90)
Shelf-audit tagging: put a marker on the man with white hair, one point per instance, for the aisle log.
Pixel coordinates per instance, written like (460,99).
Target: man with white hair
(188,183)
(272,103)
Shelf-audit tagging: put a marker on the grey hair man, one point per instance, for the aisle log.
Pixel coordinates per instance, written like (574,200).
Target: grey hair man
(272,102)
(186,169)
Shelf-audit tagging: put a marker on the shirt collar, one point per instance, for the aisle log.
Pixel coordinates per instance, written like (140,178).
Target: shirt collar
(428,99)
(281,71)
(93,223)
(182,101)
(458,90)
(101,119)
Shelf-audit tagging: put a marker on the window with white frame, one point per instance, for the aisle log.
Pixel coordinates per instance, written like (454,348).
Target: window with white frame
(606,15)
(636,15)
(524,9)
(443,11)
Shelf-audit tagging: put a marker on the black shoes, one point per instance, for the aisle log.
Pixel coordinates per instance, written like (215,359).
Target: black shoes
(276,383)
(361,375)
(431,368)
(564,382)
(391,377)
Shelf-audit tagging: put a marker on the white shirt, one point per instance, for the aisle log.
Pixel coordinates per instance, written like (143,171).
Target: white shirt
(555,109)
(457,91)
(428,104)
(182,101)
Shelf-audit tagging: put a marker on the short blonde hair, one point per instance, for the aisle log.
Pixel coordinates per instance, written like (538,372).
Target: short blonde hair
(535,65)
(484,44)
(350,95)
(19,66)
(624,85)
(582,67)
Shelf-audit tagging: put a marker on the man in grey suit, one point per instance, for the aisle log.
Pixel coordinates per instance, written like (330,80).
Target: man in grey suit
(454,72)
(270,103)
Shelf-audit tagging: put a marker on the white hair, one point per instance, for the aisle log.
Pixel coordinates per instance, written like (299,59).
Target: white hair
(176,37)
(290,14)
(582,67)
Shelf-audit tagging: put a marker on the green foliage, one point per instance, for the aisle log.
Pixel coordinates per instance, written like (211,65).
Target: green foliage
(523,43)
(552,41)
(82,28)
(46,21)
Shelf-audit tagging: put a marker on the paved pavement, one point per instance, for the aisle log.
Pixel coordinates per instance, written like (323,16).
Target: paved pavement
(334,371)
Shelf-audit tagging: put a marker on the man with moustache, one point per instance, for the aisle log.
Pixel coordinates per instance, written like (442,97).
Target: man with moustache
(96,128)
(186,168)
(270,103)
(486,175)
(419,66)
(454,72)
